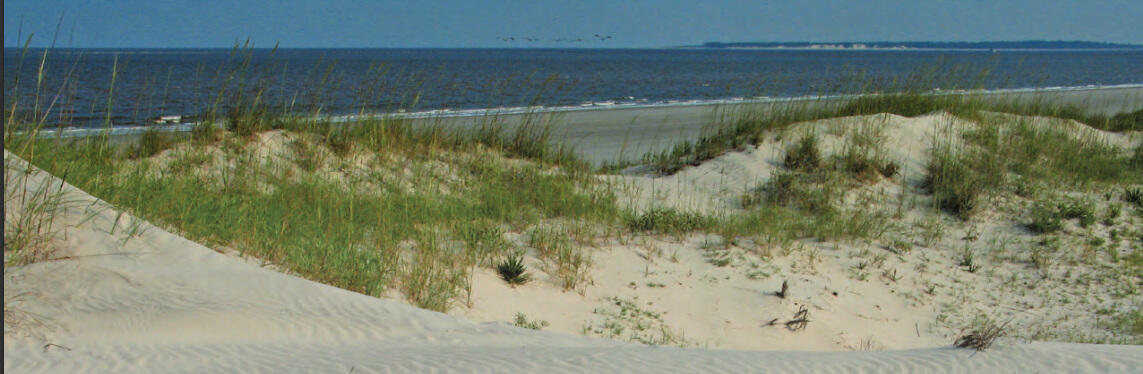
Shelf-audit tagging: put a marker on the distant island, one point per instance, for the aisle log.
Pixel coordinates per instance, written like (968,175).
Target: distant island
(996,45)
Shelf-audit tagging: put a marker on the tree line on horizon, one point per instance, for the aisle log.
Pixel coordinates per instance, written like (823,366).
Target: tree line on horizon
(1025,44)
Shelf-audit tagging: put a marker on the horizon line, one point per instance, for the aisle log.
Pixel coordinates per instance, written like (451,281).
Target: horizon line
(705,44)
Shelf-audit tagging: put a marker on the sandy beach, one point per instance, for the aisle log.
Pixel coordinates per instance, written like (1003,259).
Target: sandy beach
(155,302)
(118,294)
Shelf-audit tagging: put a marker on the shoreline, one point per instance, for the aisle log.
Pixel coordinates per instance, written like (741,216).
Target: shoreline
(623,132)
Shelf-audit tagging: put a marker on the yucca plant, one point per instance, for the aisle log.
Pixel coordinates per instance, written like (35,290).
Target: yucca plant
(1133,196)
(512,270)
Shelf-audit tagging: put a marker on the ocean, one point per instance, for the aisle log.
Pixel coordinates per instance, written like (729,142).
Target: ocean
(128,88)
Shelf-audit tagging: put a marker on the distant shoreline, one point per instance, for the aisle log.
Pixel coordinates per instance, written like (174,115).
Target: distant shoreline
(885,49)
(1030,45)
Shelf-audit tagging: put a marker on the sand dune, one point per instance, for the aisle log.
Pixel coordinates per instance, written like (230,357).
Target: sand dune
(122,295)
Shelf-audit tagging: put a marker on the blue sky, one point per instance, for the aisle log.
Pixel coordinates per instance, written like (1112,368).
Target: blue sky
(631,23)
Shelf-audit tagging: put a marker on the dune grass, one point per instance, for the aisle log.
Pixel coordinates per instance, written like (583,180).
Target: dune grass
(30,211)
(747,126)
(367,236)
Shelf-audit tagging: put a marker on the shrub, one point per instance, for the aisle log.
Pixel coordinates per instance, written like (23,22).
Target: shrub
(804,155)
(512,270)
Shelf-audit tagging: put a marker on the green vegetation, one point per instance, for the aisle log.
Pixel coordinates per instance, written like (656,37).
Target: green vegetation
(804,155)
(747,126)
(31,226)
(670,221)
(627,319)
(564,260)
(1133,196)
(1131,322)
(363,228)
(512,270)
(522,321)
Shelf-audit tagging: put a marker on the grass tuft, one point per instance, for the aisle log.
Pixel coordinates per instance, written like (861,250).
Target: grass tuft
(669,221)
(804,155)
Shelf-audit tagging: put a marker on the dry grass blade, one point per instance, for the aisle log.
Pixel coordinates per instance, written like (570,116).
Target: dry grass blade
(800,320)
(982,335)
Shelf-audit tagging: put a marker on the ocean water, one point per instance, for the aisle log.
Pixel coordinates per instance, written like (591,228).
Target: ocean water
(78,87)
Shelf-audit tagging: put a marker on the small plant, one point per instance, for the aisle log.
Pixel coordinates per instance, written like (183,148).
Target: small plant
(512,270)
(522,321)
(1113,213)
(1046,218)
(901,246)
(981,335)
(1133,196)
(1040,257)
(813,192)
(891,275)
(804,155)
(967,261)
(859,163)
(932,229)
(1082,211)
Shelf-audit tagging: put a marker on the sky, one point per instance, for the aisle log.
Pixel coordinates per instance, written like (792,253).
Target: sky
(484,23)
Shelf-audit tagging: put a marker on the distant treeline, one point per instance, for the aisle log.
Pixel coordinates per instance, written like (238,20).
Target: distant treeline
(1027,44)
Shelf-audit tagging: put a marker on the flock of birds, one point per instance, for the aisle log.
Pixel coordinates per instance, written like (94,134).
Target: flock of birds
(596,37)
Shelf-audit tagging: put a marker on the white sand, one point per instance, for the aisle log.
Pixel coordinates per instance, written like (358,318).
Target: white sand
(155,302)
